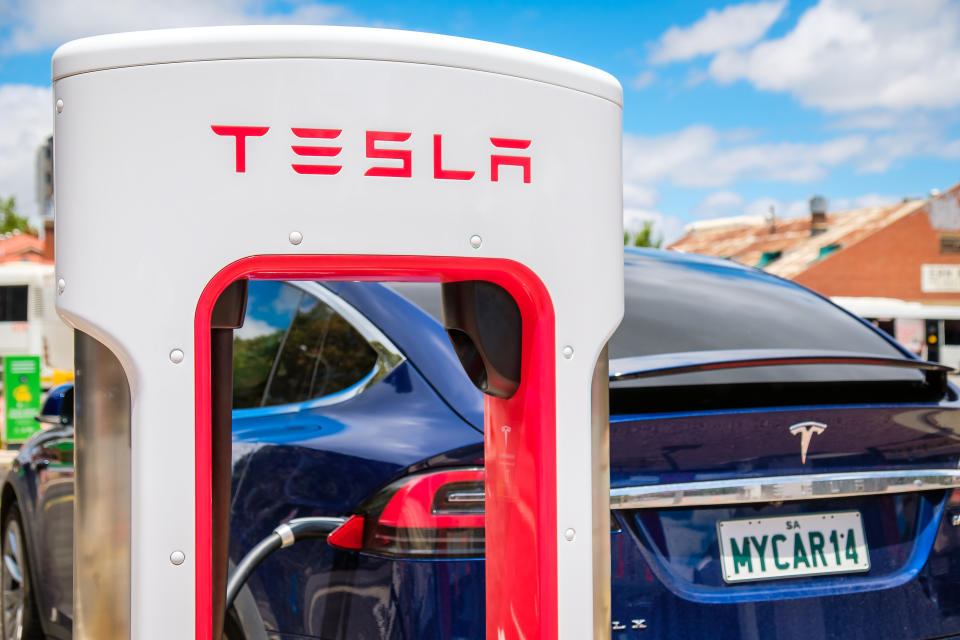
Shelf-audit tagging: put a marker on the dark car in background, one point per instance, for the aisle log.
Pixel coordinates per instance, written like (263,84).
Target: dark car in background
(779,469)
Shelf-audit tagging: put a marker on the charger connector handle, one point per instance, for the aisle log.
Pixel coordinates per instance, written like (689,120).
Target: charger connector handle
(283,536)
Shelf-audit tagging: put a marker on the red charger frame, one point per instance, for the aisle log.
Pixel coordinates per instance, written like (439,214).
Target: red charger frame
(521,488)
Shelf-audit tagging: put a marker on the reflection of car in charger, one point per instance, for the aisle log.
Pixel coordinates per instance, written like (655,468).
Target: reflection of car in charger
(714,372)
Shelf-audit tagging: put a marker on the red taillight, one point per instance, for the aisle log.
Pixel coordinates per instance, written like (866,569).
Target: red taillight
(430,515)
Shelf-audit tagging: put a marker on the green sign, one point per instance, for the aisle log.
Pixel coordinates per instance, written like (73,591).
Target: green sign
(21,393)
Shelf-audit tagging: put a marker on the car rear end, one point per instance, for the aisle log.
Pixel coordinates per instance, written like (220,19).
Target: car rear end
(779,469)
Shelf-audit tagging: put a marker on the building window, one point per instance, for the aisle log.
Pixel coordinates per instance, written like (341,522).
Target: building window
(13,303)
(951,332)
(884,324)
(827,249)
(949,244)
(768,257)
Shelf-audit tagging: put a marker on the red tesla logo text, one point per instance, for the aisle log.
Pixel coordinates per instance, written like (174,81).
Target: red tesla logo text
(318,150)
(240,133)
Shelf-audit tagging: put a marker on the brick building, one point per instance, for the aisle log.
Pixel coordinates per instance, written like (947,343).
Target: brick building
(898,265)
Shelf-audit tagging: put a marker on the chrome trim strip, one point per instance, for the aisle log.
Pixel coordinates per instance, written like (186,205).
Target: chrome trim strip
(466,496)
(103,497)
(600,495)
(782,488)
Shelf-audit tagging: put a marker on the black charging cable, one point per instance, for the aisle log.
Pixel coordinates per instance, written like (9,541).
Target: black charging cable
(283,536)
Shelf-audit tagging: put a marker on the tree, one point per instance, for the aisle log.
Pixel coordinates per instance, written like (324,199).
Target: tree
(643,237)
(10,220)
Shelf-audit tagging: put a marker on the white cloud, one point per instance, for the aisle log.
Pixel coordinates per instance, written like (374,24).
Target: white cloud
(26,114)
(643,79)
(854,55)
(720,203)
(801,208)
(665,227)
(700,156)
(254,328)
(287,301)
(649,159)
(639,196)
(904,143)
(729,28)
(875,120)
(640,205)
(890,69)
(864,201)
(781,209)
(37,25)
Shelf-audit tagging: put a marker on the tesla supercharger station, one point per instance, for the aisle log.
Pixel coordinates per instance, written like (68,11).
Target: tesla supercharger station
(188,160)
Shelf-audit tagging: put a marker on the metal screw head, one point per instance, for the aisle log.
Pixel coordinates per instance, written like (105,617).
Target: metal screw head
(177,558)
(176,356)
(61,285)
(476,241)
(296,237)
(567,352)
(570,534)
(59,106)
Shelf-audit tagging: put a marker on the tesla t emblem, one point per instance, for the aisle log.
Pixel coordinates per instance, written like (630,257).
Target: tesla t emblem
(806,431)
(506,434)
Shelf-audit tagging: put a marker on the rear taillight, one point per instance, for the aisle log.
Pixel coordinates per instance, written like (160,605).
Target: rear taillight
(430,515)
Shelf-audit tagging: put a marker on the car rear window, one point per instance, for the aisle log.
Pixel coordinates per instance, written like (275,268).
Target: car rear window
(676,303)
(682,303)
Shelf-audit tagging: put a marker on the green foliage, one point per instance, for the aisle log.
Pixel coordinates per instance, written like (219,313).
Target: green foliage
(320,354)
(643,237)
(252,359)
(10,221)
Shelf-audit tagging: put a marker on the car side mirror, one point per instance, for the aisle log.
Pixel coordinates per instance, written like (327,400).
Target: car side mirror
(58,407)
(66,408)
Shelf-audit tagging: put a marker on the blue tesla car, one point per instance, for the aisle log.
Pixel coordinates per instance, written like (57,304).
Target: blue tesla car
(779,469)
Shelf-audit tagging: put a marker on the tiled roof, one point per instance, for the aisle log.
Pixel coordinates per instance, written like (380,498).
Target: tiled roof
(747,239)
(21,247)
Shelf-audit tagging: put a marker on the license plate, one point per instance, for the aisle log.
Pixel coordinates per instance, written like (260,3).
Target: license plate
(792,546)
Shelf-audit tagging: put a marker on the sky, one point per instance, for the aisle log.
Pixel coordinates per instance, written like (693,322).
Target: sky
(729,108)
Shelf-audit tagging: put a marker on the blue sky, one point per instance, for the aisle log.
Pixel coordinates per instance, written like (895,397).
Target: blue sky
(730,108)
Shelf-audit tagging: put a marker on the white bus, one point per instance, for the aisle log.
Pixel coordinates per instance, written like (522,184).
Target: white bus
(29,324)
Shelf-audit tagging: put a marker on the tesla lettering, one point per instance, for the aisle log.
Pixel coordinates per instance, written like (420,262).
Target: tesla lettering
(317,151)
(240,135)
(329,150)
